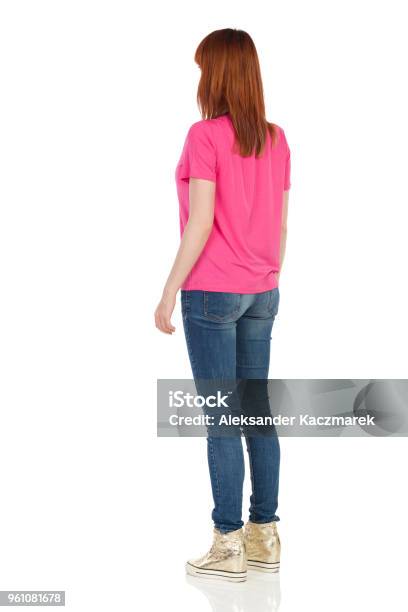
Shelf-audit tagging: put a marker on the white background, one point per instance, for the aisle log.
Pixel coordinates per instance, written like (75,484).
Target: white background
(96,99)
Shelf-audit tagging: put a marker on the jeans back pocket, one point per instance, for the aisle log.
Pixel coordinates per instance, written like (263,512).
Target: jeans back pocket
(220,306)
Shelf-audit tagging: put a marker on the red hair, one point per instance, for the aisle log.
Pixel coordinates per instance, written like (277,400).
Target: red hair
(231,83)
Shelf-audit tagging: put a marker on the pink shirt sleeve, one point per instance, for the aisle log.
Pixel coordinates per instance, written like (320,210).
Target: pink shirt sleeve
(286,183)
(198,159)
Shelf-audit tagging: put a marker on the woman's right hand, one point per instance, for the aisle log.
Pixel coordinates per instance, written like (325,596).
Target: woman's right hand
(163,312)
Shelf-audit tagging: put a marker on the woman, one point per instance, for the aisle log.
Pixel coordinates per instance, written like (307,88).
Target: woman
(232,179)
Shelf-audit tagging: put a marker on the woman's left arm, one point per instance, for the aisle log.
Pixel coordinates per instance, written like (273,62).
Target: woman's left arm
(195,236)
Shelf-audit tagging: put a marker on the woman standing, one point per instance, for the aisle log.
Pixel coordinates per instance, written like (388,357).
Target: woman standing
(232,179)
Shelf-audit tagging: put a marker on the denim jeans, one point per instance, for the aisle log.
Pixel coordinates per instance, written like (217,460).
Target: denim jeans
(228,338)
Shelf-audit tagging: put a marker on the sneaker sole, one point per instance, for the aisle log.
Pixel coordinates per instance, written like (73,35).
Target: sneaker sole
(261,566)
(215,574)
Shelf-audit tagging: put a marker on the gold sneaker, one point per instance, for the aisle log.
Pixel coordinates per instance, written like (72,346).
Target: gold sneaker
(226,559)
(263,547)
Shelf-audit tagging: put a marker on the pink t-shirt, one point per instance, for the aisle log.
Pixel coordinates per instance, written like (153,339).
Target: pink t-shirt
(242,252)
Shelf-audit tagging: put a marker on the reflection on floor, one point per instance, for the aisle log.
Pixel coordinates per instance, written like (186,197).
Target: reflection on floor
(260,593)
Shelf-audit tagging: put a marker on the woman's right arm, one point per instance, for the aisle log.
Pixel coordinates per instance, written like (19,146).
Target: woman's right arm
(195,235)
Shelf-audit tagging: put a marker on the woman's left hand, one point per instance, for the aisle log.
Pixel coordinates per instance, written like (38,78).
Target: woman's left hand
(163,312)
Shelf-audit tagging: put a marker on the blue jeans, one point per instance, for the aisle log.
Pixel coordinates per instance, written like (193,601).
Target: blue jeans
(228,338)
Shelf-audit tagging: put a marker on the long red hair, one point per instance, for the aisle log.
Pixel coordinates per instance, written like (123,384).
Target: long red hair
(231,83)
